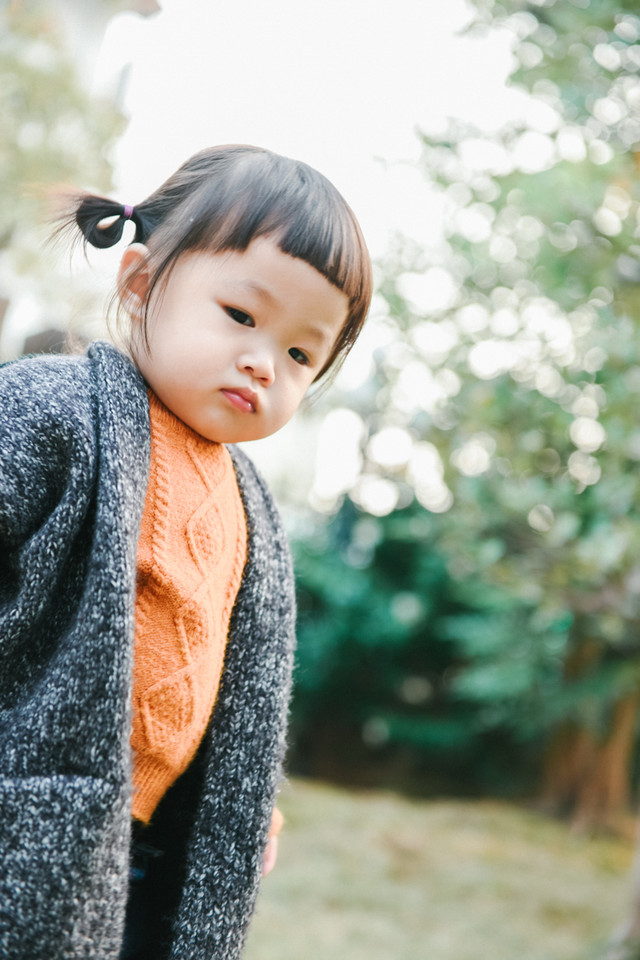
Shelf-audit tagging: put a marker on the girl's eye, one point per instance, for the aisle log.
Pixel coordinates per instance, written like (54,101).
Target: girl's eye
(299,356)
(240,316)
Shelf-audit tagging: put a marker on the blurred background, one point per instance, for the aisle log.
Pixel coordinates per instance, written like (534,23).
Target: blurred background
(464,500)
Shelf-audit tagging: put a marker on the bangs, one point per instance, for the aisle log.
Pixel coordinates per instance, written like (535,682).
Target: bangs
(266,195)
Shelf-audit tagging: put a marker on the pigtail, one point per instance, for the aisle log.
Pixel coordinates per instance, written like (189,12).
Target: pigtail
(102,221)
(94,220)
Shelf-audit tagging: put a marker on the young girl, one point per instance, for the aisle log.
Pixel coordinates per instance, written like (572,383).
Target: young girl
(146,595)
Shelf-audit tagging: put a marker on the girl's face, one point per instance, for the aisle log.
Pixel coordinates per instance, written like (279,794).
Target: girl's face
(235,338)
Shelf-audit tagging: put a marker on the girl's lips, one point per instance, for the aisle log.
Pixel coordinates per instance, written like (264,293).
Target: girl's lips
(244,400)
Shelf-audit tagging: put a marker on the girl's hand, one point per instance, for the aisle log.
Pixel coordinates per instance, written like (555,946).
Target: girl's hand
(271,849)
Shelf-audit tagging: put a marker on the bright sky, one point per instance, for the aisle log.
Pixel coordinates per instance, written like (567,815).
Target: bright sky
(341,84)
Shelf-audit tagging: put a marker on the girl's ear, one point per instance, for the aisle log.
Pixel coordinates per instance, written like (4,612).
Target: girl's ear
(133,278)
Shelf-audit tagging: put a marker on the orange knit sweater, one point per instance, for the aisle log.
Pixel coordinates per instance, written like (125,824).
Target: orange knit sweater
(191,555)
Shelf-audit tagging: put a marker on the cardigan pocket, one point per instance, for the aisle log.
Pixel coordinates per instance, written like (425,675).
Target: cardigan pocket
(63,867)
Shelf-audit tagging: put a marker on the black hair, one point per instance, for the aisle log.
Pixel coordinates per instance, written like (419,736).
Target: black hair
(223,198)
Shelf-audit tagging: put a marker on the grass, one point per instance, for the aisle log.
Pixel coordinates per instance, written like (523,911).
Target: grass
(374,876)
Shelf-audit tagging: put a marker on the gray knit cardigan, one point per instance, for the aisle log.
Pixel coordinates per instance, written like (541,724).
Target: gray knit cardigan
(74,460)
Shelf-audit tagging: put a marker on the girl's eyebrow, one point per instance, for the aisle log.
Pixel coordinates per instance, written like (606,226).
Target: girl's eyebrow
(253,286)
(312,332)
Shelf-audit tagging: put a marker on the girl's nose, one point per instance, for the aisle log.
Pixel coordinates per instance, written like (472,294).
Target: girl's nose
(259,365)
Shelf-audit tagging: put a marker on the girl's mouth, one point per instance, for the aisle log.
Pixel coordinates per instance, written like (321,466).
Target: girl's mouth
(242,399)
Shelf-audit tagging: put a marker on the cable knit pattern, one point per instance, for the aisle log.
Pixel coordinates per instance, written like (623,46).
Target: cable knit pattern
(191,554)
(74,460)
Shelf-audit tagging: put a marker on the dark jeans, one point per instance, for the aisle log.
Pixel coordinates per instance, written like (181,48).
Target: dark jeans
(141,924)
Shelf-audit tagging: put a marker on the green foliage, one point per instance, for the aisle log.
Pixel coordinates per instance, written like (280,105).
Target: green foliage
(379,695)
(513,372)
(560,301)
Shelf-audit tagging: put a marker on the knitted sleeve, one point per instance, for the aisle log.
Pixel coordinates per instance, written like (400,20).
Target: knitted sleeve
(47,459)
(63,820)
(46,444)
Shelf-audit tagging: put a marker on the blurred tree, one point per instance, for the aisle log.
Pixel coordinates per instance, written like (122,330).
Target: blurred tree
(510,384)
(540,439)
(52,131)
(373,699)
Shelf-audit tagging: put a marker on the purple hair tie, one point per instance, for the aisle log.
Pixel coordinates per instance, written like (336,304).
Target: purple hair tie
(128,212)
